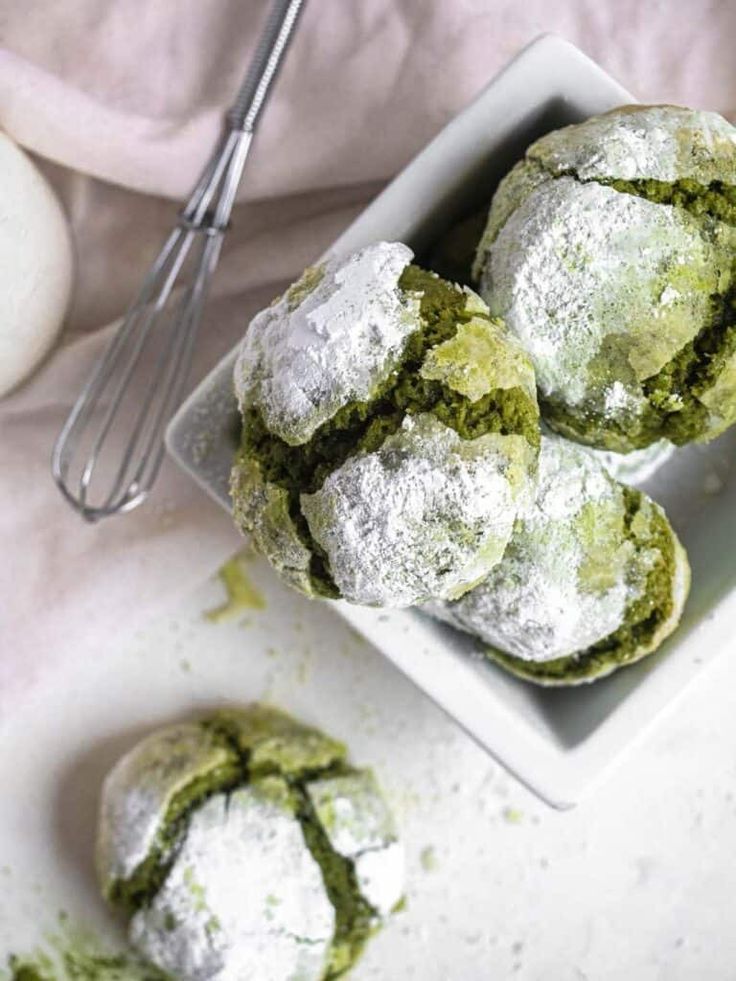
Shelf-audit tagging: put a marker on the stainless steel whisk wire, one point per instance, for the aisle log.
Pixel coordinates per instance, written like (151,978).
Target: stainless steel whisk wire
(204,220)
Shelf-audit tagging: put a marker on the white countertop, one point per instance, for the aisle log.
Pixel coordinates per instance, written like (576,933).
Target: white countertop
(634,884)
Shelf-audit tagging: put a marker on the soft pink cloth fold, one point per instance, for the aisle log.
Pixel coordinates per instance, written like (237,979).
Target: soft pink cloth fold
(121,102)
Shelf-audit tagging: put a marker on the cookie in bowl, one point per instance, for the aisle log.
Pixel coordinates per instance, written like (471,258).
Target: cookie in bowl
(389,432)
(610,252)
(593,579)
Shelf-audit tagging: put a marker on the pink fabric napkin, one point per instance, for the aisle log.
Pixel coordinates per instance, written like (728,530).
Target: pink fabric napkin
(121,102)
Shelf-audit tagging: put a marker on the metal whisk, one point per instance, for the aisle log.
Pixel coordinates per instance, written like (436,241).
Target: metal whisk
(111,446)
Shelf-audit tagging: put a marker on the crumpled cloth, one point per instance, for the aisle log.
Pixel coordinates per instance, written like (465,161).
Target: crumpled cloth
(120,103)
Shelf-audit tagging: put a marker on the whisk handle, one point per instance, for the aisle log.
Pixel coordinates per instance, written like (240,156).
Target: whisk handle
(272,45)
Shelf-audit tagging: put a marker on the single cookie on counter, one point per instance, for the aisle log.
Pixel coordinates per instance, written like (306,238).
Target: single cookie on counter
(244,845)
(594,577)
(390,432)
(610,251)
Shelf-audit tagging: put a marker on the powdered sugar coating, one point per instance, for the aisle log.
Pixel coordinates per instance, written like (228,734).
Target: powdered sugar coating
(138,790)
(601,305)
(359,826)
(665,143)
(610,286)
(238,890)
(426,515)
(565,581)
(381,876)
(637,466)
(244,897)
(327,342)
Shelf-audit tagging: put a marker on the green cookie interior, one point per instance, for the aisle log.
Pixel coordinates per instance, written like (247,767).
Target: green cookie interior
(674,410)
(363,426)
(261,743)
(647,528)
(74,962)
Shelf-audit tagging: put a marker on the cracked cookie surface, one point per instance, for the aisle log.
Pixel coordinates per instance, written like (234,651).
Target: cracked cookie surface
(594,577)
(245,845)
(610,252)
(401,480)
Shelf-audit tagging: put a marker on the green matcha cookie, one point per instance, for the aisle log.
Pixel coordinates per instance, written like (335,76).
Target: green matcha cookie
(245,846)
(390,432)
(594,577)
(610,252)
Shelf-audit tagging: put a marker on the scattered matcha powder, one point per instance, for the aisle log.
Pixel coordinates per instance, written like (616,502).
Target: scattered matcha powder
(512,815)
(76,955)
(241,593)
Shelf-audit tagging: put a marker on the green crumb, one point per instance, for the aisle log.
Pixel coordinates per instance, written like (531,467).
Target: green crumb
(428,858)
(24,971)
(78,957)
(84,966)
(648,530)
(363,426)
(512,815)
(241,593)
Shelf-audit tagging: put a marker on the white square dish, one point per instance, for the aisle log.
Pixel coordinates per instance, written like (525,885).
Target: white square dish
(557,742)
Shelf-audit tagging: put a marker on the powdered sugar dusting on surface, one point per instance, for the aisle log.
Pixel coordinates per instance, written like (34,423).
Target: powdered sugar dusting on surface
(427,514)
(138,790)
(566,281)
(532,605)
(360,827)
(381,876)
(665,143)
(244,899)
(299,363)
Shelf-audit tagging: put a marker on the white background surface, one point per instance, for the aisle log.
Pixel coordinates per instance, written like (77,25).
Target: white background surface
(637,883)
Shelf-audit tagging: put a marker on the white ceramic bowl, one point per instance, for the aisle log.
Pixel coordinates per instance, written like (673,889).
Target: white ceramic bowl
(557,742)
